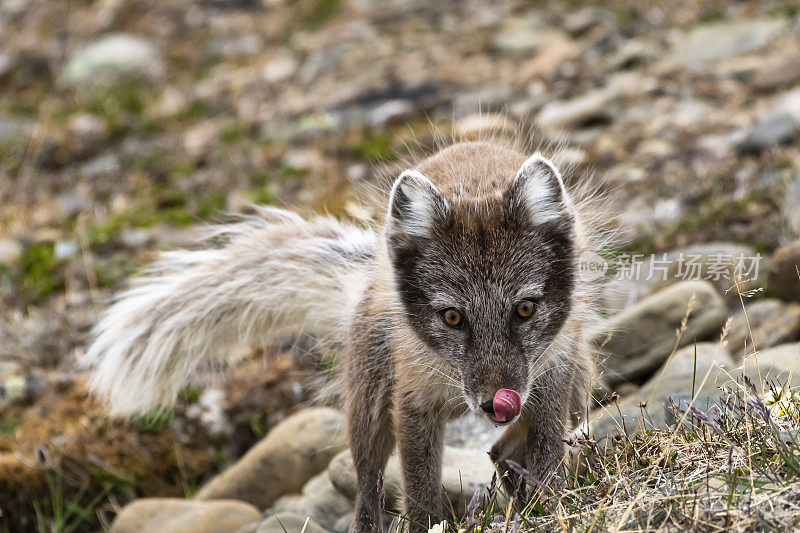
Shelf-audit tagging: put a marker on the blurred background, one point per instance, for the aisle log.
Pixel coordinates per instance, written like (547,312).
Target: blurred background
(126,124)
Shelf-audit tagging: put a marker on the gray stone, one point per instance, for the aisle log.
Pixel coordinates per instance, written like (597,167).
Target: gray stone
(6,64)
(775,365)
(9,251)
(135,238)
(717,263)
(775,74)
(479,125)
(154,515)
(292,453)
(725,39)
(471,431)
(106,165)
(71,203)
(579,22)
(770,321)
(12,130)
(463,473)
(521,35)
(320,500)
(285,523)
(590,106)
(87,129)
(773,130)
(114,58)
(65,249)
(280,68)
(782,277)
(678,379)
(391,111)
(637,341)
(789,202)
(202,138)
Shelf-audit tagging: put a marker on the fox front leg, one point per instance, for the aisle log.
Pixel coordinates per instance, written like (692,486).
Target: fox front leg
(368,396)
(420,445)
(549,406)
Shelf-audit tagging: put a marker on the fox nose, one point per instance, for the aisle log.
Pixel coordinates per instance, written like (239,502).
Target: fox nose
(488,406)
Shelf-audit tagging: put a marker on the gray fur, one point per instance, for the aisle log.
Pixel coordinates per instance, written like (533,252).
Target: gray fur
(477,227)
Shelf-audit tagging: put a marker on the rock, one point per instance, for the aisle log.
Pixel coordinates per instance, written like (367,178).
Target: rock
(20,388)
(720,263)
(280,68)
(725,39)
(632,54)
(477,126)
(771,322)
(6,64)
(294,451)
(184,516)
(637,341)
(390,112)
(135,238)
(320,500)
(789,102)
(521,35)
(114,58)
(463,473)
(773,130)
(9,251)
(782,277)
(554,53)
(775,74)
(471,431)
(789,202)
(676,380)
(11,131)
(65,249)
(106,165)
(285,523)
(775,365)
(87,127)
(201,139)
(592,106)
(581,21)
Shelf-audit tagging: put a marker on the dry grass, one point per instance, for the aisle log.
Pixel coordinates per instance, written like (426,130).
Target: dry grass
(735,467)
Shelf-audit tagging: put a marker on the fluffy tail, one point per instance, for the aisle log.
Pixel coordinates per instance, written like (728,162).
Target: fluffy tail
(277,275)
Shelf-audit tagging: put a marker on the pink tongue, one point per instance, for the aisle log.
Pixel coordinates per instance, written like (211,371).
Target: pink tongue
(506,404)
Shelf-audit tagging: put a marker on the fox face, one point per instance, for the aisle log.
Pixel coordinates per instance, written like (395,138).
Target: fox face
(485,282)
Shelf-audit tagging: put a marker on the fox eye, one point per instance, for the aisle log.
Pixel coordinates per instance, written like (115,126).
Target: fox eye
(452,317)
(526,309)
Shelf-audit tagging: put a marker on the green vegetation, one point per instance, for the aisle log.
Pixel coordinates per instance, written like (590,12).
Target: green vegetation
(8,425)
(263,195)
(111,271)
(376,148)
(58,514)
(154,421)
(37,273)
(259,423)
(190,394)
(315,13)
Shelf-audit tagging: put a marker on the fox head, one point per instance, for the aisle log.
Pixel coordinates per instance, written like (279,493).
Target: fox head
(485,276)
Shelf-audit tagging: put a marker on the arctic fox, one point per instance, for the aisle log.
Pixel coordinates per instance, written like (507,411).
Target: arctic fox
(467,298)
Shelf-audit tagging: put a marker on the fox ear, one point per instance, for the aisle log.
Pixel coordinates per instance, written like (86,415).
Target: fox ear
(538,192)
(416,207)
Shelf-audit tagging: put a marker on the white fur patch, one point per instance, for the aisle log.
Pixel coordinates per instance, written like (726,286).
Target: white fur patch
(423,207)
(542,189)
